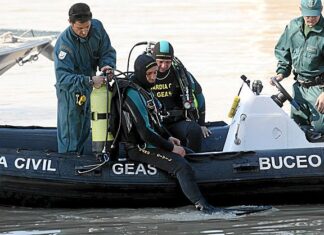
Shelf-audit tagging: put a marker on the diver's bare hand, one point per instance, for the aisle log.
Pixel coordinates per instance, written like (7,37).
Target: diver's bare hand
(174,140)
(320,103)
(205,131)
(279,77)
(179,150)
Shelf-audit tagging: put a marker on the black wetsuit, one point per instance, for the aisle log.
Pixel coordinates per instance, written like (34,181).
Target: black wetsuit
(184,127)
(147,140)
(158,150)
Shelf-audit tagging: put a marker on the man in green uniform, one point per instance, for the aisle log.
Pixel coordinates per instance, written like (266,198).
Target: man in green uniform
(301,47)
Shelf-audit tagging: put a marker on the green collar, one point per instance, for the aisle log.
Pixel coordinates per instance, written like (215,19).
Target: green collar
(319,27)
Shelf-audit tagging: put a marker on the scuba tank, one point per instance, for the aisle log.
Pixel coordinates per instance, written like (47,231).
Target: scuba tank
(100,103)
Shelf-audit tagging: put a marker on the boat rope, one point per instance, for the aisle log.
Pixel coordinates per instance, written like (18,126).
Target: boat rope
(93,167)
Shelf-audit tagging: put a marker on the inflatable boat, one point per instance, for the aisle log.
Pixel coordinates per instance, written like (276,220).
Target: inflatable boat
(262,155)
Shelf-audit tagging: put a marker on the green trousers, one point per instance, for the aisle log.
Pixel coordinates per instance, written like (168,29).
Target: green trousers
(308,115)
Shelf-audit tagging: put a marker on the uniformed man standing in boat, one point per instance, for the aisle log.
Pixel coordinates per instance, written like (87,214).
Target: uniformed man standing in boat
(79,51)
(301,47)
(181,96)
(146,140)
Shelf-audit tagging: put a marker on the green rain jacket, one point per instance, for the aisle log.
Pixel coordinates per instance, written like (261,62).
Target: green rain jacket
(76,59)
(304,54)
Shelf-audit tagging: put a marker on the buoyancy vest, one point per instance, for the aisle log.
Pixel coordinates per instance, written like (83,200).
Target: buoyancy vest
(120,121)
(187,87)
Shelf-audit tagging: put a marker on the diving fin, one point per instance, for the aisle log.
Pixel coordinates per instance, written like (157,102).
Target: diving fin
(245,210)
(205,207)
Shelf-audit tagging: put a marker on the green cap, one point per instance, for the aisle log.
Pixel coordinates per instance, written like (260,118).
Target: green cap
(311,7)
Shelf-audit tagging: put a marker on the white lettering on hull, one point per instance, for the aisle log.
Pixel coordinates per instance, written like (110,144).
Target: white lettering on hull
(34,164)
(132,169)
(3,161)
(289,162)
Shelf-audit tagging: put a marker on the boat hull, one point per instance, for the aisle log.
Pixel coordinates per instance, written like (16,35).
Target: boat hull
(40,176)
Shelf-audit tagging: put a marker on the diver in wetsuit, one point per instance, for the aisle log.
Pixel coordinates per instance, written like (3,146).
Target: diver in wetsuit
(147,141)
(181,96)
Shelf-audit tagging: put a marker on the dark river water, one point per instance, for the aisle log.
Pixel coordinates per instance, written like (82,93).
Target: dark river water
(306,219)
(217,40)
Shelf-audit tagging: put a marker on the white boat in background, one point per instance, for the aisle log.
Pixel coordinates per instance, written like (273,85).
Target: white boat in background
(20,49)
